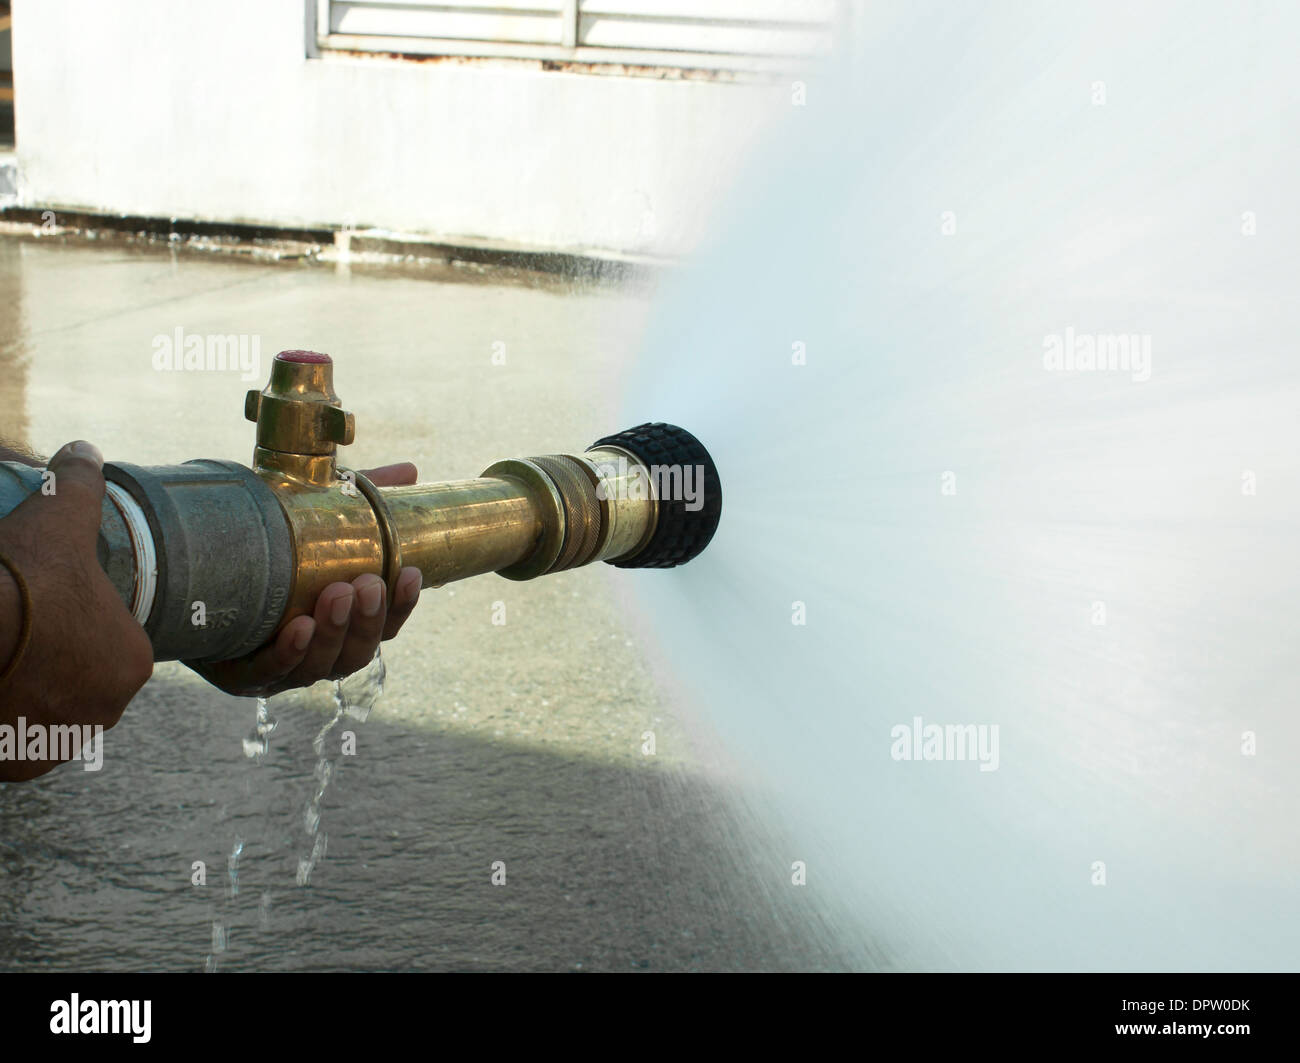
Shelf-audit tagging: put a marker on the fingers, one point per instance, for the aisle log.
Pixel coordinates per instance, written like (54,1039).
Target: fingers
(75,487)
(405,595)
(371,622)
(392,475)
(366,628)
(347,625)
(288,650)
(350,622)
(267,671)
(333,613)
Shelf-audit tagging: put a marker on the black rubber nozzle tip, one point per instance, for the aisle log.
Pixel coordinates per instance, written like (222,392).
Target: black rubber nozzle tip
(686,519)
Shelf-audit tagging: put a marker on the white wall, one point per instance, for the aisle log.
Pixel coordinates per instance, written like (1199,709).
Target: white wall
(210,109)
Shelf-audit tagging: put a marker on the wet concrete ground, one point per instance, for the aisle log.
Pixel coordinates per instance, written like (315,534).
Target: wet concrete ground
(518,743)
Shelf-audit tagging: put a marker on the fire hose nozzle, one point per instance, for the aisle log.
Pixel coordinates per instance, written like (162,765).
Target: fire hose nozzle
(213,558)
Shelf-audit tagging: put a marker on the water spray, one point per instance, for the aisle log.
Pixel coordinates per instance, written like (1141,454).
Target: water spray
(213,558)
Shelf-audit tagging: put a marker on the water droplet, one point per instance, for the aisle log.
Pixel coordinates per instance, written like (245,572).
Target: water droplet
(232,865)
(258,741)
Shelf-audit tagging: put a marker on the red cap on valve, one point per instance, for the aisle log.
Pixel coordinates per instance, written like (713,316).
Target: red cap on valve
(308,357)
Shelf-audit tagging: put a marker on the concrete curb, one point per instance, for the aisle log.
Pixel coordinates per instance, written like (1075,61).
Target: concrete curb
(348,246)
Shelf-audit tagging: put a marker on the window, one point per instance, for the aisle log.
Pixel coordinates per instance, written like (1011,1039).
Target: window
(713,35)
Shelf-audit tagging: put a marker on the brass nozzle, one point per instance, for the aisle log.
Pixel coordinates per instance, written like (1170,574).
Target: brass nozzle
(522,518)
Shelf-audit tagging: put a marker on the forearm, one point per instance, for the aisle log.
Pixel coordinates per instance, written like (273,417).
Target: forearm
(14,452)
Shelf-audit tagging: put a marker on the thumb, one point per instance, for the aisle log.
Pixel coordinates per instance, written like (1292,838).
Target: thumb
(75,488)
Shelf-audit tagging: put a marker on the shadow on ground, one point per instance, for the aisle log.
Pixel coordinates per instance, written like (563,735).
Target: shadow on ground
(608,866)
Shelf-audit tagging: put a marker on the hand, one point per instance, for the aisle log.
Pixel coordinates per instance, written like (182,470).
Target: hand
(87,656)
(341,635)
